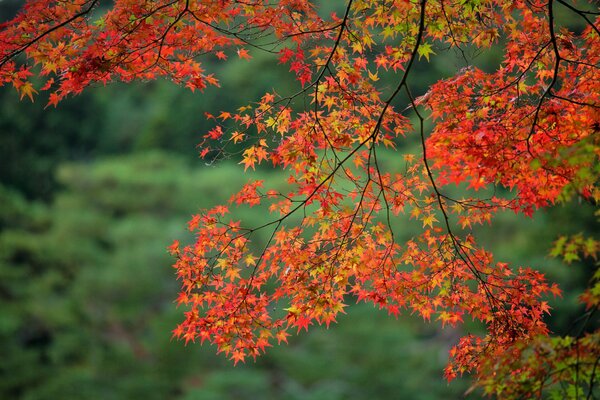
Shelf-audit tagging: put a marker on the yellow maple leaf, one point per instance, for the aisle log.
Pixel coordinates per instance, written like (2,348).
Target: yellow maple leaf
(429,220)
(27,90)
(250,260)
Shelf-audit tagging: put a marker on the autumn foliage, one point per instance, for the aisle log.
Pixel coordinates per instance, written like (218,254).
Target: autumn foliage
(521,137)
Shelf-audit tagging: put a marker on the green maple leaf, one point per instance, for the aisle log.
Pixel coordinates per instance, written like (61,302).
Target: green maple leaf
(425,50)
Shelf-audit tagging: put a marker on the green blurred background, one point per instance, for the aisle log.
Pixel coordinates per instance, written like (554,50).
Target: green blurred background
(93,192)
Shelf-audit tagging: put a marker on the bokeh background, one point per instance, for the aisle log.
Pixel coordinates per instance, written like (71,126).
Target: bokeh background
(93,192)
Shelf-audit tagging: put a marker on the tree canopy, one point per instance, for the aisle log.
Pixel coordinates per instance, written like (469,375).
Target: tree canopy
(518,137)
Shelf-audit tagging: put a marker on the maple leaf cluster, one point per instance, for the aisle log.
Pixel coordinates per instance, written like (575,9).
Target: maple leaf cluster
(531,127)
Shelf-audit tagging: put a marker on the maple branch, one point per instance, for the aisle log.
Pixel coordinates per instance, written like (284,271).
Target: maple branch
(408,67)
(14,53)
(434,185)
(162,38)
(557,60)
(385,200)
(521,75)
(579,103)
(325,67)
(228,32)
(258,262)
(459,248)
(582,14)
(586,317)
(462,52)
(262,30)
